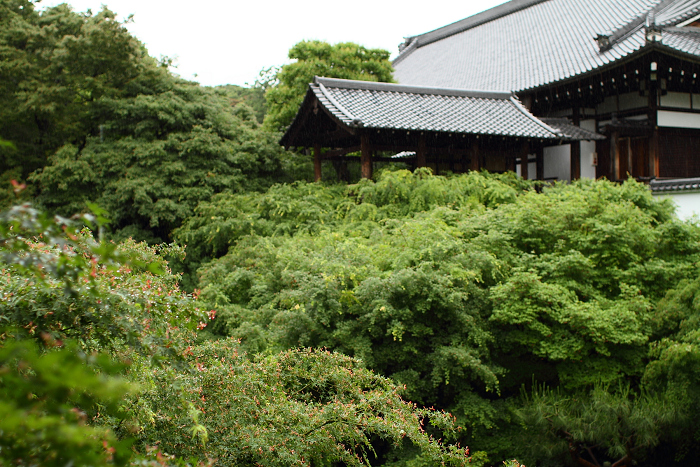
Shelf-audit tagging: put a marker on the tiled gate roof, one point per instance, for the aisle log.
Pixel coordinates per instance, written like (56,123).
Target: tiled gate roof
(384,106)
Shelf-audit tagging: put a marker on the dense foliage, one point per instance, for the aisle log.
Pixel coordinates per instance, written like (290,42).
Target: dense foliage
(463,288)
(302,407)
(99,365)
(44,395)
(159,156)
(94,118)
(557,323)
(55,68)
(75,313)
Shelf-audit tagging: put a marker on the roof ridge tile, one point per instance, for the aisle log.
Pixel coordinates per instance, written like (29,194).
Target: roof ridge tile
(393,87)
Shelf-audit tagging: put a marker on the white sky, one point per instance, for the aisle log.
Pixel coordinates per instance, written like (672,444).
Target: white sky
(229,42)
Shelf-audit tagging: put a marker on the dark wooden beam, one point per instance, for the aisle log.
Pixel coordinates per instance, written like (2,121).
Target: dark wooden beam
(539,156)
(614,156)
(654,153)
(510,161)
(524,160)
(366,158)
(295,131)
(330,138)
(576,150)
(654,139)
(475,156)
(421,152)
(575,160)
(341,152)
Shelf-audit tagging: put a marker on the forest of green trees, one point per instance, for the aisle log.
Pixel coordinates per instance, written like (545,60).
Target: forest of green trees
(177,292)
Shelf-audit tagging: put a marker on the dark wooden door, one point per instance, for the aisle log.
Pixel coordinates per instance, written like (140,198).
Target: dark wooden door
(632,157)
(639,148)
(623,158)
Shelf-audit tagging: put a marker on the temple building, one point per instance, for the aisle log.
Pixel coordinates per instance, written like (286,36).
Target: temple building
(553,89)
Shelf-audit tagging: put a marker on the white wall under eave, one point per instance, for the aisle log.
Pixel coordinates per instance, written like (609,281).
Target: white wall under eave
(557,162)
(531,170)
(667,118)
(680,100)
(687,204)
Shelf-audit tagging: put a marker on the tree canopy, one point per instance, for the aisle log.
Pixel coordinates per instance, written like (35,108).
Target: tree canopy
(99,365)
(344,60)
(552,322)
(462,288)
(55,68)
(93,118)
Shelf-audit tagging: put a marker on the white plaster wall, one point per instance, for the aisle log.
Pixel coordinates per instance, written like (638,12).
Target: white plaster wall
(557,162)
(587,151)
(687,204)
(667,118)
(676,99)
(531,170)
(696,101)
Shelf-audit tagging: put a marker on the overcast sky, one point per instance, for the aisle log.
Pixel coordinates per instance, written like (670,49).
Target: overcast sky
(229,42)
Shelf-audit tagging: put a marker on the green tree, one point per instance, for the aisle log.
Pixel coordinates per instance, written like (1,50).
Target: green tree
(618,426)
(316,58)
(90,112)
(61,283)
(463,288)
(252,96)
(48,399)
(673,369)
(55,67)
(85,320)
(160,155)
(302,407)
(74,302)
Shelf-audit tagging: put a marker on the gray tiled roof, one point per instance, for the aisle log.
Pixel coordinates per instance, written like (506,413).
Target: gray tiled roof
(676,185)
(524,44)
(390,106)
(677,11)
(684,39)
(566,127)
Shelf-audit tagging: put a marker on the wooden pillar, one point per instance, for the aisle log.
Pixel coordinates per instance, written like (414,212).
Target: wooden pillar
(317,162)
(475,157)
(576,150)
(614,157)
(654,139)
(366,158)
(654,152)
(540,162)
(575,160)
(510,159)
(421,152)
(630,167)
(524,162)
